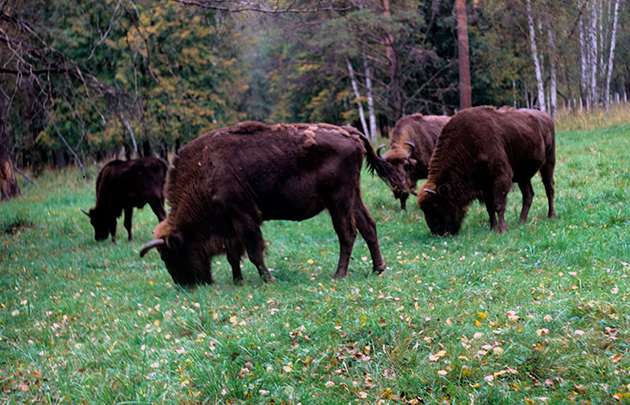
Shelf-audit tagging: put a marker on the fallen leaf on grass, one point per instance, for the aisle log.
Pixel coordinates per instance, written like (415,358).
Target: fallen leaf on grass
(437,356)
(616,358)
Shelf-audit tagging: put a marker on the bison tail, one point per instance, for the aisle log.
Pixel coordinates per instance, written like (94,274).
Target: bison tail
(384,170)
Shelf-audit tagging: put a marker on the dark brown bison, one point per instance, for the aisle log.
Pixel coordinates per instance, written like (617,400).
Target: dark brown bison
(411,145)
(123,185)
(479,155)
(228,181)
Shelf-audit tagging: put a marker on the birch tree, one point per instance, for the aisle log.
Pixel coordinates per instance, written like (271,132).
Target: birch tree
(598,35)
(534,49)
(357,95)
(611,54)
(553,83)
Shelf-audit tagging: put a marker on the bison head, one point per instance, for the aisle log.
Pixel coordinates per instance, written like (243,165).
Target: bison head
(186,264)
(401,159)
(442,212)
(103,222)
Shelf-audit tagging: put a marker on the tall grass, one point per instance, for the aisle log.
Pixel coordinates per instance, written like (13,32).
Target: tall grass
(537,315)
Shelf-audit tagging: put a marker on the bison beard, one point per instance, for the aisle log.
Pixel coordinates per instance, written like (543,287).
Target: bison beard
(123,185)
(479,155)
(228,181)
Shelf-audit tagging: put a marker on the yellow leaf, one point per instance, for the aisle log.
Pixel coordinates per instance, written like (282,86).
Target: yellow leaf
(616,358)
(482,315)
(437,356)
(477,323)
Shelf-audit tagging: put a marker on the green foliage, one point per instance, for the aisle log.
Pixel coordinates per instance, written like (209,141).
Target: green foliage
(538,314)
(172,72)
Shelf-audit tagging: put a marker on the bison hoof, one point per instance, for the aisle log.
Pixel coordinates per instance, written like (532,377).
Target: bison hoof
(501,229)
(379,270)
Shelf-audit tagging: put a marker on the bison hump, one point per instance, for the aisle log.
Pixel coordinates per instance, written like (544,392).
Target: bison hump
(249,127)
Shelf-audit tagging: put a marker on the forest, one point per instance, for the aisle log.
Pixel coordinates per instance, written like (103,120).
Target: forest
(88,80)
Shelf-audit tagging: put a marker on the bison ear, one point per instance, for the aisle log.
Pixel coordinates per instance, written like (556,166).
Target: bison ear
(175,241)
(444,190)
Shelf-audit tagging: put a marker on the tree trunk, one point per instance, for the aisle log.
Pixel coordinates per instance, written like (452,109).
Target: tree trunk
(134,154)
(584,61)
(393,63)
(465,88)
(8,183)
(611,55)
(553,97)
(355,88)
(593,56)
(65,143)
(537,67)
(370,101)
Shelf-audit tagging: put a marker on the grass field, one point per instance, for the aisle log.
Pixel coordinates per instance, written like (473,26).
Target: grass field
(539,315)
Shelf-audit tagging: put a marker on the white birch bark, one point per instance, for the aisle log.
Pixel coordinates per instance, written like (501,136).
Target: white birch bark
(134,155)
(593,55)
(611,55)
(583,60)
(537,67)
(355,88)
(370,101)
(553,98)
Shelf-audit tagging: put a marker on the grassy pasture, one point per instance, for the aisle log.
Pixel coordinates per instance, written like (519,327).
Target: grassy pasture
(539,315)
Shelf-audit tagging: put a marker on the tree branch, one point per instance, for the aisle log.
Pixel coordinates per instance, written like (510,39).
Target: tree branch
(241,6)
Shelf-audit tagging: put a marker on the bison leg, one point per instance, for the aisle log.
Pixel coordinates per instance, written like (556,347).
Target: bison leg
(403,201)
(367,228)
(157,206)
(345,227)
(128,216)
(234,259)
(489,202)
(546,172)
(255,246)
(528,197)
(496,202)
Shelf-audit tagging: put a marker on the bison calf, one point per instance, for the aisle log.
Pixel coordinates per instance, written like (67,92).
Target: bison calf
(479,155)
(227,182)
(123,185)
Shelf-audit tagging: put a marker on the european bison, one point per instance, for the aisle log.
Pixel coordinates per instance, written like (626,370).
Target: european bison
(479,154)
(123,185)
(227,182)
(411,145)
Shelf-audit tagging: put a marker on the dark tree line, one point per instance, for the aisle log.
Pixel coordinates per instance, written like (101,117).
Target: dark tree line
(83,80)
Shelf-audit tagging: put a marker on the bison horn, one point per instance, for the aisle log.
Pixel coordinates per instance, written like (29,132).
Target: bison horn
(85,212)
(429,191)
(151,245)
(378,151)
(411,145)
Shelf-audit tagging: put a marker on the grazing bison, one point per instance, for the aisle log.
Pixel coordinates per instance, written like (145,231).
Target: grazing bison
(411,146)
(228,181)
(479,155)
(123,185)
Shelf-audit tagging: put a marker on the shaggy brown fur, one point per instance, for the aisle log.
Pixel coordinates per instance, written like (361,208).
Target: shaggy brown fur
(123,185)
(412,162)
(479,155)
(228,181)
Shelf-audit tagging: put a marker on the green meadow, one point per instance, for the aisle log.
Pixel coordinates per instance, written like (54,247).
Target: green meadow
(538,315)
